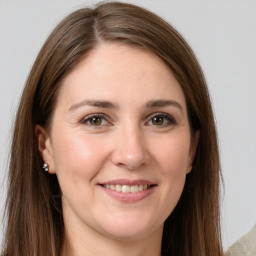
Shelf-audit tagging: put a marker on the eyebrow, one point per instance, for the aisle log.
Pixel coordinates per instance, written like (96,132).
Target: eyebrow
(164,103)
(108,104)
(93,103)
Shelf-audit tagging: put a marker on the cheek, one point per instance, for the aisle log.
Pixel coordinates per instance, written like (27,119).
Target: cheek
(78,159)
(78,155)
(172,154)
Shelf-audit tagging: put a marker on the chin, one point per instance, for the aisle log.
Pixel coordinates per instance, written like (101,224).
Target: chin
(130,230)
(129,235)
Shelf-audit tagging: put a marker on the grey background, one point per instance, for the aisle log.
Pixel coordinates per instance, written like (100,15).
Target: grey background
(223,36)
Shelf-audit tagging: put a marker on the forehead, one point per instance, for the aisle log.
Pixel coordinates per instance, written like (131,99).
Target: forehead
(119,73)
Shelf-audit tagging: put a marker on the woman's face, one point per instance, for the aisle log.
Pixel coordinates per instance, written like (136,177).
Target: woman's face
(120,143)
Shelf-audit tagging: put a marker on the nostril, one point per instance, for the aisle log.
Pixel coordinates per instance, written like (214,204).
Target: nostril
(131,165)
(130,161)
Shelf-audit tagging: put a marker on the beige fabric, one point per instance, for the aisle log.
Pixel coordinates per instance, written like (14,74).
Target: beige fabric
(246,246)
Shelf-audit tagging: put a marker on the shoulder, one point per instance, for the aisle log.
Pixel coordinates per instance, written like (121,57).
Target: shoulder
(245,246)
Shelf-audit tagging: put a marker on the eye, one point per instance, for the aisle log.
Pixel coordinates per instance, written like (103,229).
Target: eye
(161,119)
(95,120)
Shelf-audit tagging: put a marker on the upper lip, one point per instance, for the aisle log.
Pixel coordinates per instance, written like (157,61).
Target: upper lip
(127,182)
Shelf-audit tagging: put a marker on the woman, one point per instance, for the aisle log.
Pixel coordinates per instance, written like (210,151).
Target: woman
(117,112)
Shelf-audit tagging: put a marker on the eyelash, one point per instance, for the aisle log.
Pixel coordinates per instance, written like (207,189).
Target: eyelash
(170,120)
(89,118)
(165,118)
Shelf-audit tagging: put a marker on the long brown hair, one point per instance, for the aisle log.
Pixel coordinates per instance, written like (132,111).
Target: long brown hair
(35,224)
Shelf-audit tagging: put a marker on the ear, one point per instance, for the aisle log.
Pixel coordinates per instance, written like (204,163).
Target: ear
(192,150)
(45,147)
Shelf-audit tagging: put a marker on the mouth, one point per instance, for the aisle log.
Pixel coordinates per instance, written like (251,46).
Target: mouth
(128,188)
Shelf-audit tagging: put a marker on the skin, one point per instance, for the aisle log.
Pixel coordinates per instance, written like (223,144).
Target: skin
(125,143)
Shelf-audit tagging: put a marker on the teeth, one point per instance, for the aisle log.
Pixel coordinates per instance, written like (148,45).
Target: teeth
(118,188)
(134,189)
(127,188)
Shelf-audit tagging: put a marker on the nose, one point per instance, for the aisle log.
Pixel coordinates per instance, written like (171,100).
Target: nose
(130,150)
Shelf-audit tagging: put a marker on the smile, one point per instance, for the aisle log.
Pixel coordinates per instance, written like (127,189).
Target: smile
(128,191)
(127,188)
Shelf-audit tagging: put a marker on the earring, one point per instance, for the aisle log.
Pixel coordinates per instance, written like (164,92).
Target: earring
(46,167)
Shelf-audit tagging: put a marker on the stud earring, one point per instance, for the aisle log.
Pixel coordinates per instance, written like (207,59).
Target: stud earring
(46,167)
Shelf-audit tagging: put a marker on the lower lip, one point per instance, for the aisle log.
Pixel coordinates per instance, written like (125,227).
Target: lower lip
(129,197)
